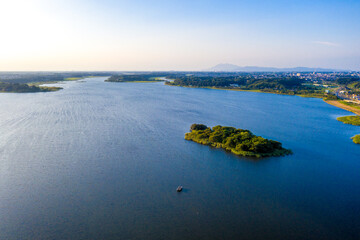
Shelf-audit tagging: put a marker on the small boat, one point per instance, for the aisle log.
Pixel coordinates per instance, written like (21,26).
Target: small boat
(179,188)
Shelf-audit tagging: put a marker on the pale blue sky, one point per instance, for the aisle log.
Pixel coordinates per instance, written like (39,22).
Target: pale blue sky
(177,35)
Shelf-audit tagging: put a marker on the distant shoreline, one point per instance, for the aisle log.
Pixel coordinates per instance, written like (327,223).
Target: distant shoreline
(250,90)
(335,103)
(70,79)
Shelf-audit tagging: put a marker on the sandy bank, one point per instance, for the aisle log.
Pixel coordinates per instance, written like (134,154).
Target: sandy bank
(343,106)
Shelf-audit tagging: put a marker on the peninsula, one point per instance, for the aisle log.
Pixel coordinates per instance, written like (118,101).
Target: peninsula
(356,139)
(353,120)
(239,141)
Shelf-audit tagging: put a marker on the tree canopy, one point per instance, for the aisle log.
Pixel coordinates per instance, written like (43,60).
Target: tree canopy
(238,141)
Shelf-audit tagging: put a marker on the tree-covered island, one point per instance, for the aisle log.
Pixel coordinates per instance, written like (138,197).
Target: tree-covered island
(239,141)
(134,78)
(24,88)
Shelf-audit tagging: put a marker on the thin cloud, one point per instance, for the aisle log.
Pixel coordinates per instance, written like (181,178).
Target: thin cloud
(330,44)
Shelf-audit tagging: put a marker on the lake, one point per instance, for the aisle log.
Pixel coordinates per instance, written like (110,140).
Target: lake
(101,160)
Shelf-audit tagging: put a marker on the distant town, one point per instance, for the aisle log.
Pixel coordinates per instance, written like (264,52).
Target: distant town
(348,89)
(344,85)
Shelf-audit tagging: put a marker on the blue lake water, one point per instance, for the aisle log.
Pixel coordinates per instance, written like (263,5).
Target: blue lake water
(101,160)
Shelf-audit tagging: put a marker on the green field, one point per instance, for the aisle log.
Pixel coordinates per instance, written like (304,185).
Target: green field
(72,78)
(351,104)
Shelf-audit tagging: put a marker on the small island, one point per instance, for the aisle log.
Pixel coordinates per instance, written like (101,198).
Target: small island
(239,141)
(24,88)
(353,120)
(134,78)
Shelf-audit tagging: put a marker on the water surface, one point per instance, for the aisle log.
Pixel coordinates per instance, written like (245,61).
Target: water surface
(102,160)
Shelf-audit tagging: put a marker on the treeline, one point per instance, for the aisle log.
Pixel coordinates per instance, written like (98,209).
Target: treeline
(350,83)
(143,77)
(238,141)
(356,85)
(24,88)
(347,80)
(207,81)
(287,85)
(218,78)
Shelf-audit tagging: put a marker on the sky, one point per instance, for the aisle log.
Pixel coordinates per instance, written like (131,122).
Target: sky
(184,35)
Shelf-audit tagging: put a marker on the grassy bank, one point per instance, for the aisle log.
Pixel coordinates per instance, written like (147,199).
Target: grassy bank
(350,104)
(353,120)
(356,139)
(73,78)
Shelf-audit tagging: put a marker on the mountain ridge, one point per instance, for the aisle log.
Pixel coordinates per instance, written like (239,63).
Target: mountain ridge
(226,67)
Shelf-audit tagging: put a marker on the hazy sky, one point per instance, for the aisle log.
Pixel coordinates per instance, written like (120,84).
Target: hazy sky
(177,34)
